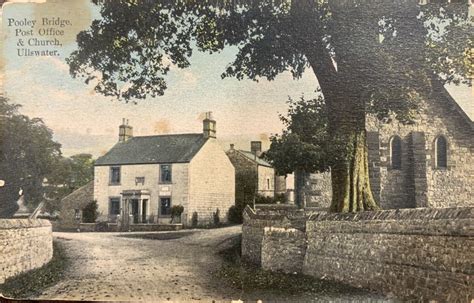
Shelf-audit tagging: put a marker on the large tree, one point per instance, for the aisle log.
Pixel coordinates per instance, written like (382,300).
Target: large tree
(304,146)
(27,155)
(368,56)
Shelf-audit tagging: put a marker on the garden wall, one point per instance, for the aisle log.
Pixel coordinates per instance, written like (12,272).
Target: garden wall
(24,245)
(411,253)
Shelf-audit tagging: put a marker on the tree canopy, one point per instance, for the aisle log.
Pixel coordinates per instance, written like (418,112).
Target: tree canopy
(304,144)
(32,161)
(27,155)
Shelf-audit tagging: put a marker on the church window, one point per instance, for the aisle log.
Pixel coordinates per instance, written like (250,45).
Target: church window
(441,152)
(396,152)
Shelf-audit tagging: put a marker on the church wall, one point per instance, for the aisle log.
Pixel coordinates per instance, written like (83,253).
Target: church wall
(418,182)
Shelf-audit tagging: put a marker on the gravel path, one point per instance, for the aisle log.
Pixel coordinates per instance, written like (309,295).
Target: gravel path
(108,266)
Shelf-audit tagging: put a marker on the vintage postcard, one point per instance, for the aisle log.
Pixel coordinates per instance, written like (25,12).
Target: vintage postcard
(237,151)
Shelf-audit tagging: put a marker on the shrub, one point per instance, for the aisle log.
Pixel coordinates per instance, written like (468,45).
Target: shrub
(90,213)
(235,214)
(176,212)
(194,219)
(281,198)
(259,199)
(216,217)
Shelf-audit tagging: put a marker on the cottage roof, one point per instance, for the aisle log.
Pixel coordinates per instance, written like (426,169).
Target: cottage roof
(80,197)
(177,148)
(254,158)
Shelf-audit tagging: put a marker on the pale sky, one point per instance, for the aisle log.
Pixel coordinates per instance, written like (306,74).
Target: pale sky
(83,121)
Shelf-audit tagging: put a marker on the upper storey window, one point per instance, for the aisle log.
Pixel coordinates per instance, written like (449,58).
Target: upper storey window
(115,175)
(165,173)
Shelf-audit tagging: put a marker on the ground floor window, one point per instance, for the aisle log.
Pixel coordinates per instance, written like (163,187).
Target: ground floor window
(165,206)
(114,208)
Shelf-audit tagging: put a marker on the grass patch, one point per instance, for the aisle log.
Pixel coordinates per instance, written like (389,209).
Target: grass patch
(32,283)
(250,278)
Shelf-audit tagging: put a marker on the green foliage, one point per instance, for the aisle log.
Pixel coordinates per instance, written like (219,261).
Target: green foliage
(90,213)
(304,145)
(235,214)
(216,220)
(27,155)
(281,198)
(67,175)
(246,187)
(30,284)
(261,199)
(177,210)
(390,49)
(194,220)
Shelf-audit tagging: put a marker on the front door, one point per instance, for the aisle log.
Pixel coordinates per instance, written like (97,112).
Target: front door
(125,218)
(144,213)
(134,210)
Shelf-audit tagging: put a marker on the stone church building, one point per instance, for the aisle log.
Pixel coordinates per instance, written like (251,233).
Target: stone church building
(426,164)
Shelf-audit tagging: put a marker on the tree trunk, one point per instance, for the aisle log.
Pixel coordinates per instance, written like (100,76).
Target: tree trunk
(350,163)
(300,178)
(350,178)
(345,101)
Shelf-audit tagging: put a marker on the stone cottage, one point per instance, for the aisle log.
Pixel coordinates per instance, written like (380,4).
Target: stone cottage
(141,178)
(72,206)
(426,164)
(249,166)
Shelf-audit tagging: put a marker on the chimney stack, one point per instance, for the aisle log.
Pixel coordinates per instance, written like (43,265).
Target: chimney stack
(125,131)
(209,126)
(256,148)
(232,146)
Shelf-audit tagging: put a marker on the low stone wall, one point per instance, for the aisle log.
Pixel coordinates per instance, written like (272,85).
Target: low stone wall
(412,253)
(283,249)
(155,227)
(255,222)
(114,227)
(24,245)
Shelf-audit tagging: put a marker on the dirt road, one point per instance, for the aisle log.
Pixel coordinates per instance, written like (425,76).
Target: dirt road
(177,267)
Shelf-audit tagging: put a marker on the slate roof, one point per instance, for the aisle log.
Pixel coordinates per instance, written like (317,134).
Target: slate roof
(252,157)
(80,197)
(178,148)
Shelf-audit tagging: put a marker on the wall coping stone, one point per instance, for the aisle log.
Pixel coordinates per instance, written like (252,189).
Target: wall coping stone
(23,223)
(398,214)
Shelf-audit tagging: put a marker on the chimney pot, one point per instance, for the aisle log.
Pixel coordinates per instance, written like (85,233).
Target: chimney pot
(209,126)
(256,148)
(125,131)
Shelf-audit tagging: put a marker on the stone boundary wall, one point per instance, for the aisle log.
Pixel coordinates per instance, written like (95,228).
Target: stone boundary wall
(255,222)
(411,253)
(283,249)
(24,245)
